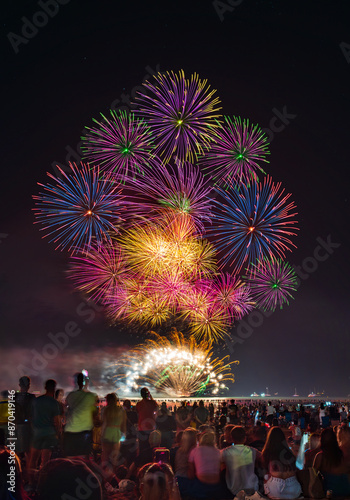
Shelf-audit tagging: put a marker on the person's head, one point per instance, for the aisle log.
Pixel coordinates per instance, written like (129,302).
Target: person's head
(222,420)
(154,439)
(332,454)
(238,435)
(156,481)
(59,478)
(163,408)
(201,403)
(144,393)
(232,401)
(80,380)
(111,399)
(24,383)
(343,436)
(321,406)
(276,449)
(188,440)
(127,404)
(227,433)
(59,394)
(50,386)
(315,440)
(178,437)
(208,438)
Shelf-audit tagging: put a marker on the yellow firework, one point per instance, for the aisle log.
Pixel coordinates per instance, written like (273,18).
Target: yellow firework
(174,365)
(209,323)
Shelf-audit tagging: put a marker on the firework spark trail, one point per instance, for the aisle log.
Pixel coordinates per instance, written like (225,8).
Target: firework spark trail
(122,145)
(236,154)
(272,283)
(174,365)
(254,222)
(79,209)
(182,114)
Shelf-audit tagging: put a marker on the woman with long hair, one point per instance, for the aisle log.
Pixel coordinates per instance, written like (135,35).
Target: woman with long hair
(279,462)
(188,442)
(331,463)
(113,425)
(157,481)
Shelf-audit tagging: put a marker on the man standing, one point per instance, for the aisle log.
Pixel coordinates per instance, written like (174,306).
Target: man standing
(146,409)
(82,410)
(45,414)
(23,402)
(201,414)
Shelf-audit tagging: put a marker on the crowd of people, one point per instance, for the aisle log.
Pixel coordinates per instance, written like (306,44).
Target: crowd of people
(79,447)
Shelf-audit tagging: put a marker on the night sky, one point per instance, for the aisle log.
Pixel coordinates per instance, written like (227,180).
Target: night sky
(265,58)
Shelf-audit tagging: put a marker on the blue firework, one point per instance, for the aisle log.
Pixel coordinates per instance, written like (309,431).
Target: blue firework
(252,222)
(78,208)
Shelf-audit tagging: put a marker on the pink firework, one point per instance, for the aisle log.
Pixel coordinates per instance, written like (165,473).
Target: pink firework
(98,271)
(180,189)
(233,296)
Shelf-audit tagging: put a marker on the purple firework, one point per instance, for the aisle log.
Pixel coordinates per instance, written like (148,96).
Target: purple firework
(182,114)
(181,189)
(79,209)
(252,222)
(99,271)
(272,282)
(235,154)
(233,296)
(121,144)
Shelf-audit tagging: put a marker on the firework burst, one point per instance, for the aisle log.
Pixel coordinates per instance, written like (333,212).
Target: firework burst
(233,296)
(182,114)
(236,153)
(79,209)
(121,144)
(99,271)
(181,190)
(272,283)
(173,365)
(254,222)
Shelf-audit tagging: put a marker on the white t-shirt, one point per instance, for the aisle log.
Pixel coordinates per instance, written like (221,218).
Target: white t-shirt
(240,460)
(81,406)
(206,460)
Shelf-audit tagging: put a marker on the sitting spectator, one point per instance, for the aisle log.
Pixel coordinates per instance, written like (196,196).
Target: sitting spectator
(279,461)
(258,437)
(225,438)
(239,461)
(343,437)
(63,478)
(311,452)
(165,423)
(146,455)
(204,467)
(157,482)
(331,463)
(188,443)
